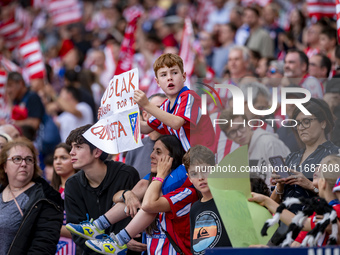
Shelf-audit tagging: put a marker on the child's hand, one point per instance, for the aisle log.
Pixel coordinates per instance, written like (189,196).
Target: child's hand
(164,166)
(140,98)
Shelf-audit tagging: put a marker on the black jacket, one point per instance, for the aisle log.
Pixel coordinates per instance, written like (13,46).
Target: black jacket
(39,230)
(81,198)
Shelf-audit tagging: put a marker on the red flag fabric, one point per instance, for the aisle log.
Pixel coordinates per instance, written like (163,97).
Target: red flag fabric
(64,12)
(8,65)
(13,33)
(4,109)
(33,59)
(205,7)
(321,8)
(127,49)
(261,3)
(186,51)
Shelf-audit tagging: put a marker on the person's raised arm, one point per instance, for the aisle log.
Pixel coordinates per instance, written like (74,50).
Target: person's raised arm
(168,119)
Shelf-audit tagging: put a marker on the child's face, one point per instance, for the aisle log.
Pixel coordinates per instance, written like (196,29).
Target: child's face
(170,80)
(198,176)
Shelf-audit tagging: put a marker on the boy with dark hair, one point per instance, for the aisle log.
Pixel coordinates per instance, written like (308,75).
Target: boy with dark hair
(181,113)
(90,191)
(206,227)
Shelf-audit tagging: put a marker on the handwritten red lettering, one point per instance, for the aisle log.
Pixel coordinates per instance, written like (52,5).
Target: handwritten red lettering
(121,104)
(124,87)
(104,110)
(117,94)
(121,129)
(107,132)
(130,81)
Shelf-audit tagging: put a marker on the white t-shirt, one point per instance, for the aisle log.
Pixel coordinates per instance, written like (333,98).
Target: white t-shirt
(68,121)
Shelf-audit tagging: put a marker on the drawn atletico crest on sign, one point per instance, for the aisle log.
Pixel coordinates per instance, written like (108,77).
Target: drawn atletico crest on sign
(134,123)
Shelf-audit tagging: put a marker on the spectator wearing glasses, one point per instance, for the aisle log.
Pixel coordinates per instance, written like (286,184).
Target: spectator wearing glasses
(261,144)
(312,131)
(31,210)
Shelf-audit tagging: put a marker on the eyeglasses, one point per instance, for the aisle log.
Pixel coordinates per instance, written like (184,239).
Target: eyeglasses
(233,133)
(18,160)
(305,123)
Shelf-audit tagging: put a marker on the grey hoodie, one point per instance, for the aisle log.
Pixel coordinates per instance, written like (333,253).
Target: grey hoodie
(264,145)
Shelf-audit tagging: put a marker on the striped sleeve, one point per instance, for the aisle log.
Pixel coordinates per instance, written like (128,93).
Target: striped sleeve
(180,201)
(189,107)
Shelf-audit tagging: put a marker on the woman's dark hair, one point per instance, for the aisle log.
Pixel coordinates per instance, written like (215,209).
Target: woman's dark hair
(258,185)
(176,151)
(175,148)
(320,109)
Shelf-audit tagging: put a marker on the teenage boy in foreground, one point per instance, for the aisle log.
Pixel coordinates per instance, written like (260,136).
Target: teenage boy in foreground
(180,114)
(90,191)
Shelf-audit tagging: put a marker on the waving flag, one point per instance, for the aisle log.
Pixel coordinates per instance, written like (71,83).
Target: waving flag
(127,49)
(13,33)
(186,51)
(338,18)
(321,8)
(205,7)
(64,12)
(8,65)
(33,59)
(5,112)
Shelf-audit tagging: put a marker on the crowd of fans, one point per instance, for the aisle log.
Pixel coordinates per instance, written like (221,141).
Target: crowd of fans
(260,46)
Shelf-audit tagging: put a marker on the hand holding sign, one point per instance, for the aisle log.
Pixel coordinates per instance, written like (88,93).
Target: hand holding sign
(118,127)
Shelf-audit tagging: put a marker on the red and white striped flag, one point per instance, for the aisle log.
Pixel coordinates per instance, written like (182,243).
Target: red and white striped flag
(4,108)
(64,12)
(110,65)
(133,12)
(8,65)
(33,59)
(13,33)
(127,49)
(338,18)
(321,8)
(205,7)
(186,51)
(261,3)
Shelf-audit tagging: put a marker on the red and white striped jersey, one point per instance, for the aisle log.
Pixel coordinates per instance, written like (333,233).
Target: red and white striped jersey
(197,128)
(176,222)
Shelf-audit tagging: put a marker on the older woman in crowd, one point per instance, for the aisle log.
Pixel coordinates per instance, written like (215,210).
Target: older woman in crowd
(31,211)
